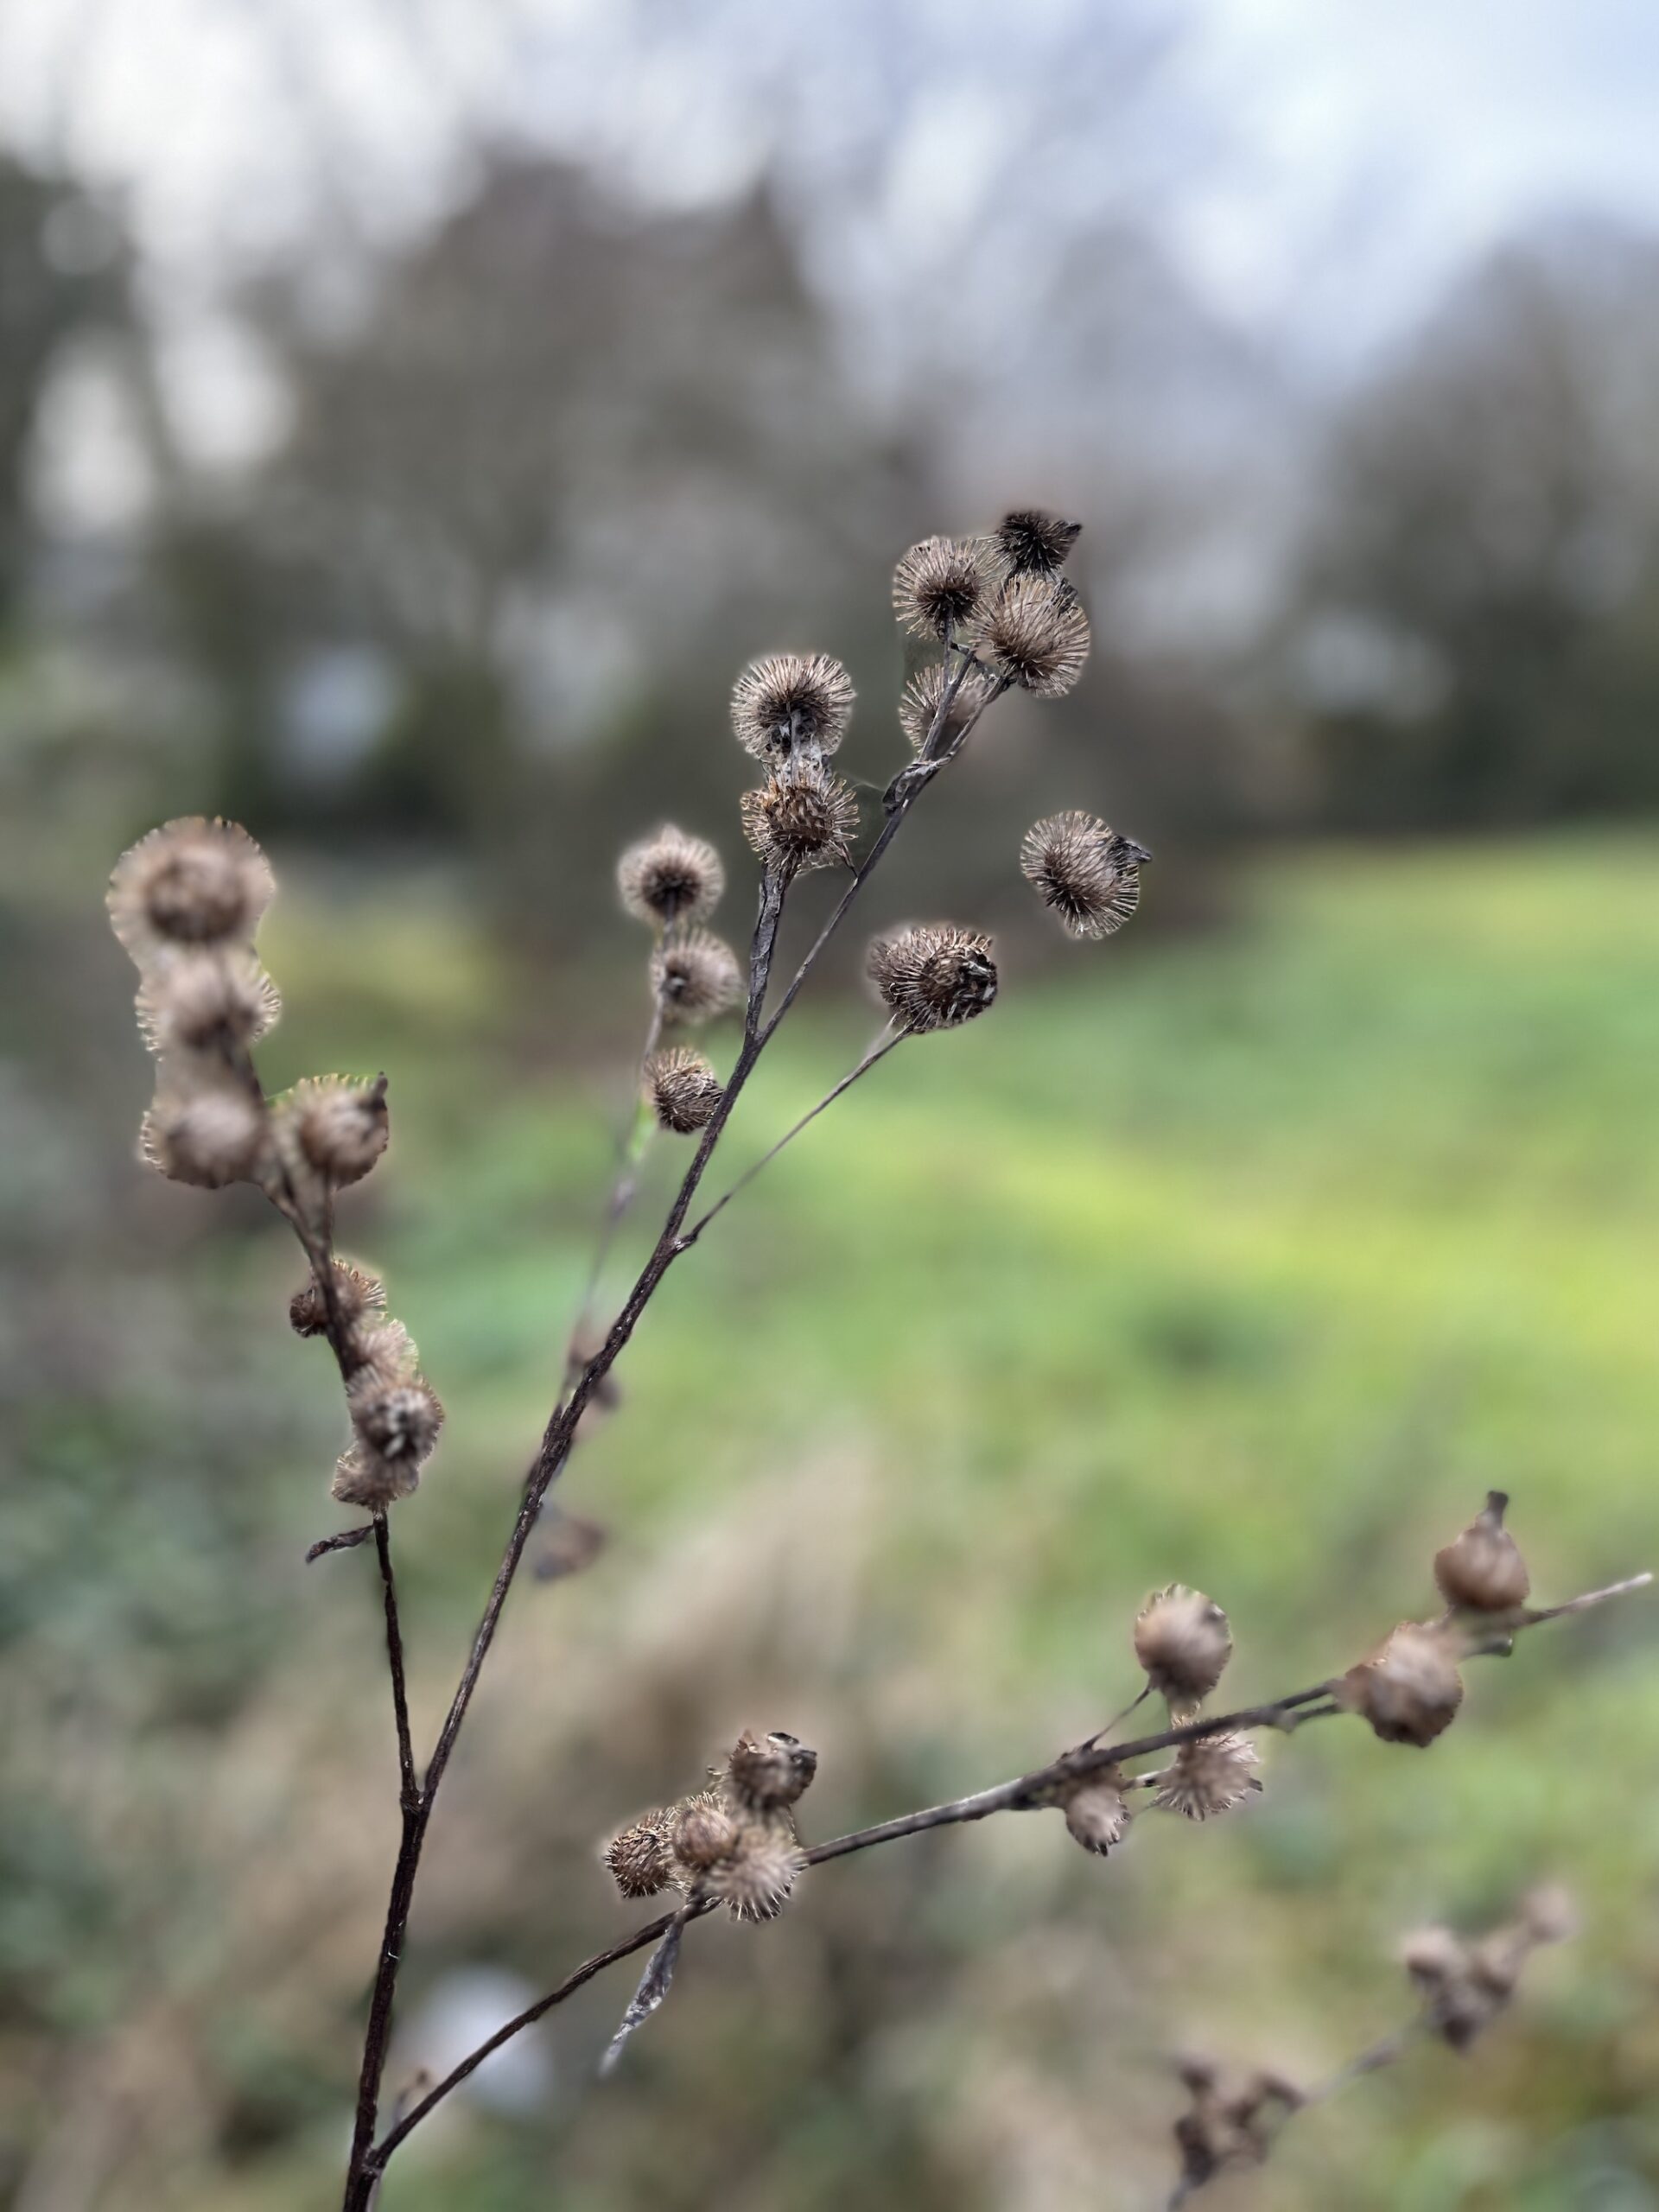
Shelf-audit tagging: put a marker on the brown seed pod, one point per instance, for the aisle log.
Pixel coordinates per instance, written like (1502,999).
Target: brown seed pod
(208,1137)
(918,705)
(933,976)
(1035,544)
(342,1126)
(207,1002)
(940,585)
(396,1420)
(755,1880)
(671,878)
(1211,1774)
(363,1478)
(1409,1689)
(804,819)
(639,1859)
(1097,1811)
(1040,633)
(191,882)
(763,1775)
(1083,870)
(1182,1641)
(1483,1569)
(704,1834)
(356,1295)
(695,976)
(789,704)
(682,1090)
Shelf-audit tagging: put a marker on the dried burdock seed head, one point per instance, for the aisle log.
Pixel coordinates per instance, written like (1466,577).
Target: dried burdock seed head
(1084,871)
(342,1126)
(363,1478)
(396,1420)
(1211,1774)
(1409,1689)
(639,1859)
(386,1348)
(1183,1642)
(940,585)
(767,1773)
(203,1002)
(671,878)
(356,1296)
(695,976)
(191,882)
(755,1880)
(804,819)
(682,1090)
(704,1834)
(933,976)
(209,1137)
(1035,544)
(1483,1569)
(792,703)
(1097,1812)
(1040,633)
(918,705)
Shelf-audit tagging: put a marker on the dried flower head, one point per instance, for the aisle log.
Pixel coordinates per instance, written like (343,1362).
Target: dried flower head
(682,1090)
(755,1880)
(704,1834)
(671,878)
(807,818)
(356,1295)
(1183,1642)
(765,1774)
(1040,633)
(1097,1812)
(919,703)
(203,1002)
(397,1420)
(933,976)
(940,585)
(1211,1774)
(387,1348)
(209,1136)
(342,1126)
(1035,544)
(792,703)
(695,976)
(640,1858)
(1409,1689)
(1483,1568)
(191,882)
(1464,1985)
(1089,875)
(363,1478)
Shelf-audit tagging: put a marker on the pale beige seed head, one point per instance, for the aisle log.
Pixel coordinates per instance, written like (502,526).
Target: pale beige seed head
(1085,872)
(753,1881)
(933,976)
(765,1774)
(1097,1812)
(1211,1774)
(695,976)
(942,584)
(923,697)
(1038,634)
(207,1002)
(340,1126)
(639,1859)
(1409,1689)
(1482,1570)
(682,1090)
(356,1295)
(396,1420)
(790,705)
(363,1478)
(208,1136)
(190,883)
(704,1834)
(1183,1642)
(801,819)
(671,878)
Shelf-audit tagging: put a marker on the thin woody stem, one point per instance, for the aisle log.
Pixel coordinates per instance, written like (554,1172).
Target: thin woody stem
(632,1147)
(409,1790)
(1023,1792)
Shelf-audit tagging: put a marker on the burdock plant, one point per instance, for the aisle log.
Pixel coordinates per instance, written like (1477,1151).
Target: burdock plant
(997,614)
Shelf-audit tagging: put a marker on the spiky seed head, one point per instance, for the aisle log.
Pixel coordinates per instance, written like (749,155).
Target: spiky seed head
(1097,1812)
(1409,1689)
(1483,1570)
(671,878)
(804,819)
(396,1420)
(201,1002)
(356,1295)
(1183,1641)
(1084,871)
(940,585)
(385,1347)
(755,1880)
(933,976)
(790,704)
(1035,544)
(639,1859)
(209,1136)
(342,1126)
(704,1834)
(1040,633)
(682,1090)
(1211,1774)
(695,976)
(763,1774)
(919,703)
(363,1478)
(191,882)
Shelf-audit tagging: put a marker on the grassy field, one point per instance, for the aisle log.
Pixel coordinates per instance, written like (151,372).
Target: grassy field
(1251,1260)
